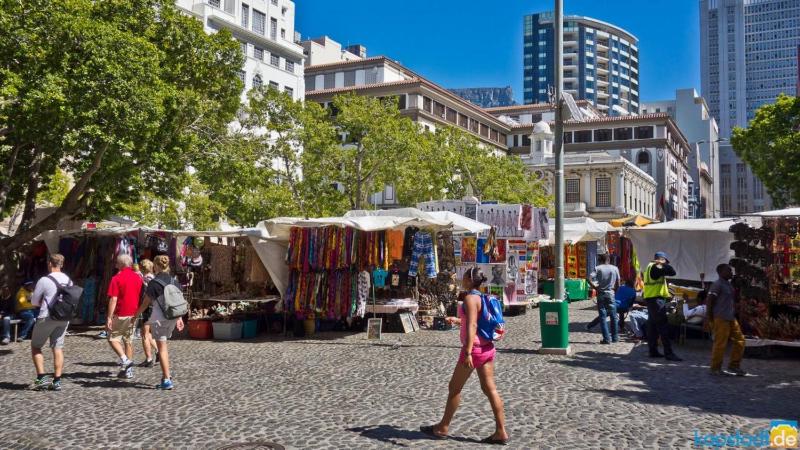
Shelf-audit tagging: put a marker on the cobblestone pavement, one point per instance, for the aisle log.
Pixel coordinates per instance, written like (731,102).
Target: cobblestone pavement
(338,391)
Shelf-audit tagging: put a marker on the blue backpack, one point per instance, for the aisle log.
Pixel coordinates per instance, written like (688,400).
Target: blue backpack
(491,325)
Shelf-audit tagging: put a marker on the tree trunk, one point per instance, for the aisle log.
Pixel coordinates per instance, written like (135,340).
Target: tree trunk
(359,160)
(6,186)
(30,197)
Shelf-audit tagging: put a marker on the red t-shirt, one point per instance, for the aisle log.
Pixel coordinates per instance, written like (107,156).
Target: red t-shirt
(127,287)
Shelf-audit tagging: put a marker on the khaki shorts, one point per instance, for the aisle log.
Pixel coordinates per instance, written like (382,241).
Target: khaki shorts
(46,328)
(122,329)
(162,329)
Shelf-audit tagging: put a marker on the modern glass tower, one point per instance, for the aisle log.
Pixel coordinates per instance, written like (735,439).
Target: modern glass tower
(601,62)
(748,57)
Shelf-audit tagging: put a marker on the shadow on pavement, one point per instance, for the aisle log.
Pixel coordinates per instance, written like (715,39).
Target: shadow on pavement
(103,379)
(13,386)
(389,434)
(688,384)
(97,364)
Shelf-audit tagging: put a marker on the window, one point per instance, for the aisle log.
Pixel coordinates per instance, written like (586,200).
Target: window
(242,76)
(603,192)
(451,115)
(275,60)
(258,53)
(214,3)
(603,135)
(274,2)
(273,28)
(758,189)
(289,66)
(243,46)
(289,91)
(583,136)
(643,132)
(283,33)
(273,85)
(259,21)
(401,101)
(257,81)
(573,190)
(623,134)
(426,104)
(245,16)
(568,137)
(643,160)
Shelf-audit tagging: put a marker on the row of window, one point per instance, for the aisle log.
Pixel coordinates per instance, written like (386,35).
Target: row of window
(258,81)
(259,54)
(259,22)
(463,121)
(608,134)
(602,191)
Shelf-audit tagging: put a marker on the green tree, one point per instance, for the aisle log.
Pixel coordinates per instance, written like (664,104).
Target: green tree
(379,143)
(193,209)
(770,145)
(269,167)
(452,163)
(122,95)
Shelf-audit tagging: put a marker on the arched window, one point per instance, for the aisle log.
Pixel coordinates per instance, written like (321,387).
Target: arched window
(257,81)
(643,161)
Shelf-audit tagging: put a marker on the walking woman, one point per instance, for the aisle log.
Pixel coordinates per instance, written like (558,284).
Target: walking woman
(160,327)
(477,354)
(148,343)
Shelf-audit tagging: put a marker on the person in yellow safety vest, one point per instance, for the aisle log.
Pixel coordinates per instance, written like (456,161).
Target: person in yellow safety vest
(656,295)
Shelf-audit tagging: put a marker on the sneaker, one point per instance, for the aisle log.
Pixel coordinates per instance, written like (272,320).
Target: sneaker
(123,369)
(129,373)
(158,357)
(165,385)
(55,385)
(147,363)
(42,384)
(5,341)
(103,335)
(737,371)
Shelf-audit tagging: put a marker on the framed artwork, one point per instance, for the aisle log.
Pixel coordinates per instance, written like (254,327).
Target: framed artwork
(374,329)
(469,249)
(407,320)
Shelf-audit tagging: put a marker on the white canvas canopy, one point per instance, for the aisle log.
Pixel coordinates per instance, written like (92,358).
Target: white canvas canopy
(789,212)
(694,246)
(581,229)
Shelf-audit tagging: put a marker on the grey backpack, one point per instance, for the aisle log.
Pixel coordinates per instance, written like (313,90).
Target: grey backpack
(171,301)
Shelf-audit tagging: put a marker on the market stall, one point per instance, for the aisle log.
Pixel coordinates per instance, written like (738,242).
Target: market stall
(344,269)
(584,238)
(766,259)
(508,253)
(221,274)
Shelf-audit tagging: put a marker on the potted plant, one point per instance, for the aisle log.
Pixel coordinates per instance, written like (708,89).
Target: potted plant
(226,326)
(200,324)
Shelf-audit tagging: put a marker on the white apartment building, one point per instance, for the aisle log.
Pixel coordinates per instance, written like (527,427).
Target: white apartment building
(692,115)
(748,53)
(597,184)
(266,33)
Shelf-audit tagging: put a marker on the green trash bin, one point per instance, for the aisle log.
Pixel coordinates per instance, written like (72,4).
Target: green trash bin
(554,319)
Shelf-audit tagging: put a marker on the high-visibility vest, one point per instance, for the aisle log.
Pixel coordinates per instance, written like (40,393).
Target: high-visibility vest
(654,288)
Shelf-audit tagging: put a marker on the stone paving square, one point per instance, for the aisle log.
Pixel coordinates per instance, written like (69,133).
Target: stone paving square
(339,391)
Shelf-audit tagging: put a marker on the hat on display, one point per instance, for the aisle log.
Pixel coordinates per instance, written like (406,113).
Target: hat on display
(660,255)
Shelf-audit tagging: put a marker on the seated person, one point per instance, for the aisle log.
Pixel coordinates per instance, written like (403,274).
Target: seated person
(624,298)
(637,321)
(6,313)
(696,315)
(25,311)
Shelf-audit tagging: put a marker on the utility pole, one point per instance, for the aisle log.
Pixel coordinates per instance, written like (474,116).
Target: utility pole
(558,148)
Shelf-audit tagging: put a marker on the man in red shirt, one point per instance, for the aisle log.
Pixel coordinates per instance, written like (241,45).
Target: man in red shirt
(124,293)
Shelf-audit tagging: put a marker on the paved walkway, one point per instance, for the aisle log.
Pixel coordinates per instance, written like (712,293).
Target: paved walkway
(339,391)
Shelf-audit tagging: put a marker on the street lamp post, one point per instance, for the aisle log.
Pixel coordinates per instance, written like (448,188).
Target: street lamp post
(713,169)
(558,150)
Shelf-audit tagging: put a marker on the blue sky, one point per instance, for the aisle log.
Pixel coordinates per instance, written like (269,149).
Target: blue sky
(471,43)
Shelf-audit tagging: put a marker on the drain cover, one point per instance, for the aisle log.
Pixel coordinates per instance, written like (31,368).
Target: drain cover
(259,445)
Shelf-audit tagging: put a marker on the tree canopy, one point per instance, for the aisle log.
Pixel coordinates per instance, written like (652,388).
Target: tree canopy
(770,145)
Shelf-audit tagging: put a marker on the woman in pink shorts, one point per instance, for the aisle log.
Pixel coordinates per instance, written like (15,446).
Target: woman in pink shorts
(476,354)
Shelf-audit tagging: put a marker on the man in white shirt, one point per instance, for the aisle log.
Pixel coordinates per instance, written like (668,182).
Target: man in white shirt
(48,328)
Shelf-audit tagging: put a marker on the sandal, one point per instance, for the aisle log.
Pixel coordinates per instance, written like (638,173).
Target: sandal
(428,429)
(494,441)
